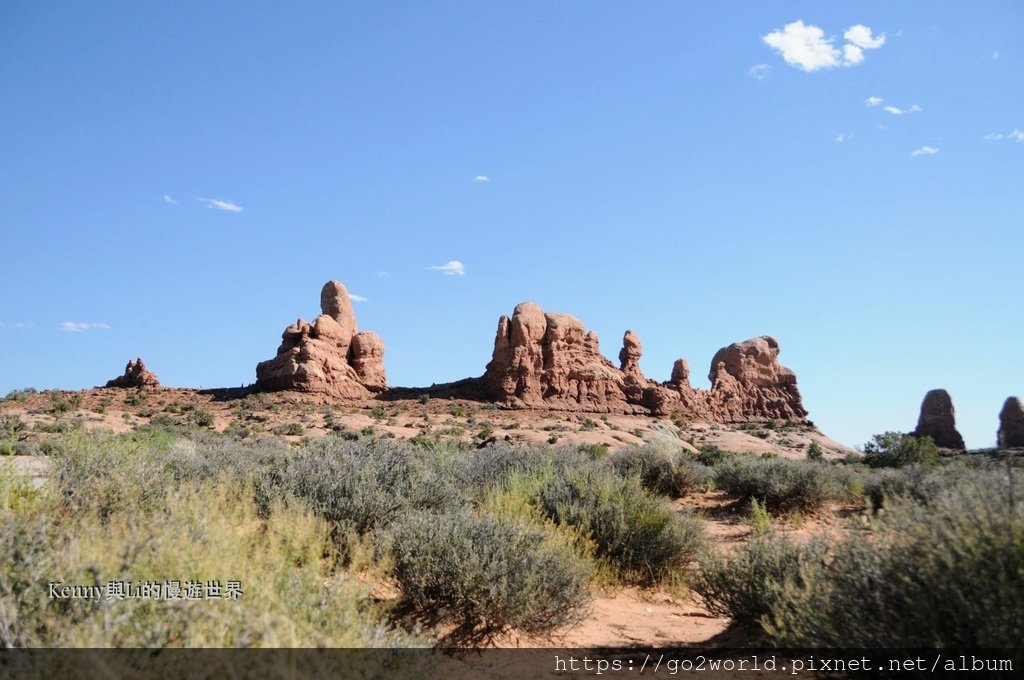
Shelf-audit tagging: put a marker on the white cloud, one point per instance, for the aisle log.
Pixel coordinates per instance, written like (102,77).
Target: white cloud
(357,298)
(450,268)
(842,137)
(22,324)
(1017,136)
(220,204)
(481,178)
(995,55)
(168,199)
(873,101)
(806,47)
(383,274)
(994,137)
(924,151)
(852,55)
(803,46)
(760,71)
(78,327)
(896,111)
(860,35)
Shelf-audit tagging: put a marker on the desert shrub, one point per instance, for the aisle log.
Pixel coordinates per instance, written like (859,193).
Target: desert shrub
(635,532)
(815,452)
(486,575)
(292,593)
(779,483)
(948,576)
(202,417)
(893,449)
(750,584)
(710,455)
(661,470)
(492,466)
(370,484)
(595,451)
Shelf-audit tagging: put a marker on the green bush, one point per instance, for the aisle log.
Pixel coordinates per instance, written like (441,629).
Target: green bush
(486,575)
(661,470)
(710,455)
(949,575)
(752,583)
(815,452)
(368,485)
(779,483)
(893,449)
(635,532)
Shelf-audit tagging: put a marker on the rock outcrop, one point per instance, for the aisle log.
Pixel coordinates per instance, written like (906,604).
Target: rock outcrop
(1011,424)
(135,375)
(546,360)
(938,421)
(328,357)
(748,380)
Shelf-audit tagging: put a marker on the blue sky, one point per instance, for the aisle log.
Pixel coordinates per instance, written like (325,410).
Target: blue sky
(177,180)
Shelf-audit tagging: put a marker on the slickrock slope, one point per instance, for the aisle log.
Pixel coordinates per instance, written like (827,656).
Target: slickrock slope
(329,356)
(938,420)
(547,360)
(135,375)
(1011,424)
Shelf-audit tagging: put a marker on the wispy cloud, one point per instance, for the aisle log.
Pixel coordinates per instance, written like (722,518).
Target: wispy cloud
(896,111)
(450,268)
(383,274)
(22,324)
(220,204)
(760,71)
(873,101)
(357,298)
(1015,136)
(925,151)
(80,326)
(842,137)
(481,178)
(169,200)
(806,47)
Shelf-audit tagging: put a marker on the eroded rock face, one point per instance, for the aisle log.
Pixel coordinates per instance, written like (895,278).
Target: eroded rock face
(545,360)
(1011,424)
(135,375)
(748,383)
(938,420)
(327,357)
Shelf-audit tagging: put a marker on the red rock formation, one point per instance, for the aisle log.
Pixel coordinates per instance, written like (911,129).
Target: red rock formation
(938,420)
(135,375)
(1011,424)
(544,360)
(328,356)
(749,384)
(550,361)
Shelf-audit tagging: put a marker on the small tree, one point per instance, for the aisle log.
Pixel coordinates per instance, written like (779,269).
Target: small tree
(894,449)
(815,452)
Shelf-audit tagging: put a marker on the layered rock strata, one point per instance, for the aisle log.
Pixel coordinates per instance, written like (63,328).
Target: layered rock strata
(329,356)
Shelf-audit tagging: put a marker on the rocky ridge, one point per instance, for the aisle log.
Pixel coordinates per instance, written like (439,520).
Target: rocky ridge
(550,360)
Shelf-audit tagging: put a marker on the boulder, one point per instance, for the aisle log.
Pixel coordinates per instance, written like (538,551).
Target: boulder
(748,384)
(327,357)
(938,421)
(135,375)
(1011,424)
